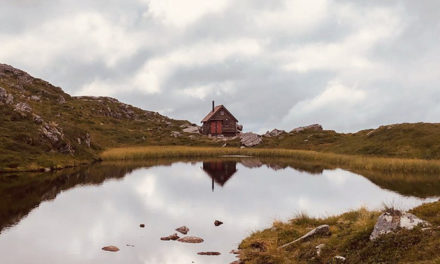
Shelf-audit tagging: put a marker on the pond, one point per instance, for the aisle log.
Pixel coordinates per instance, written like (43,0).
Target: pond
(68,216)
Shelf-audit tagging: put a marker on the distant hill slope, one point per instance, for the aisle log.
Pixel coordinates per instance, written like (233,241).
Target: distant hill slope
(42,126)
(417,140)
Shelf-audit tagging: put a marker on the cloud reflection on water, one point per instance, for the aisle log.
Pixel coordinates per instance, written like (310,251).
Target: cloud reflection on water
(73,227)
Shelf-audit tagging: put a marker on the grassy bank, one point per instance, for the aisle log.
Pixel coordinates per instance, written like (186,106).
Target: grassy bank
(349,238)
(344,161)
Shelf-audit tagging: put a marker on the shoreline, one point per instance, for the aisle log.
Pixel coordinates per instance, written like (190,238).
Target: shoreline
(347,238)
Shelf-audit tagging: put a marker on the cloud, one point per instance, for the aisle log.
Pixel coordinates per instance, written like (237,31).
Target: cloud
(182,13)
(328,107)
(260,58)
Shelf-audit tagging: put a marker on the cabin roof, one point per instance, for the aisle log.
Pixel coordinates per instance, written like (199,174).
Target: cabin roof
(216,109)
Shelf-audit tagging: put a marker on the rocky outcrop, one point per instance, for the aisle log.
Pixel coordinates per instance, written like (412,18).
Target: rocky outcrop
(23,108)
(322,230)
(319,249)
(250,139)
(52,132)
(314,127)
(338,259)
(192,129)
(175,134)
(393,220)
(274,133)
(5,97)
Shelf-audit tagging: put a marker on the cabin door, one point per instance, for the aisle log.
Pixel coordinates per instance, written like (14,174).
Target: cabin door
(213,127)
(216,127)
(219,127)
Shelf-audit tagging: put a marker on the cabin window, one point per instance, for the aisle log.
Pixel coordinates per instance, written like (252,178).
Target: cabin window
(222,112)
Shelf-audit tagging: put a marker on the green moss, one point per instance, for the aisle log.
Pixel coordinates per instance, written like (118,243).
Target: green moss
(349,238)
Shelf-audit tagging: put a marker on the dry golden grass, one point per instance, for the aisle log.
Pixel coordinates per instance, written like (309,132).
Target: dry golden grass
(345,161)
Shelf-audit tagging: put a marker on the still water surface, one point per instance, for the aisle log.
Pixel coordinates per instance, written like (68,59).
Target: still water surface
(69,218)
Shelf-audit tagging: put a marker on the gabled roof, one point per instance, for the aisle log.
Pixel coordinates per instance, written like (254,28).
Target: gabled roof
(216,109)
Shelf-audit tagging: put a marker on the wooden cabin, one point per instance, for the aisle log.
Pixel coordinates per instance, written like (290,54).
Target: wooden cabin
(219,122)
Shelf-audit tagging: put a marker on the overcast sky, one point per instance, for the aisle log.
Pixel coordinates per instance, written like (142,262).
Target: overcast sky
(348,65)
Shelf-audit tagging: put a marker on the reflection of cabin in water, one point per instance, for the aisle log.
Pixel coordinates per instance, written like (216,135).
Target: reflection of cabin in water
(220,171)
(219,122)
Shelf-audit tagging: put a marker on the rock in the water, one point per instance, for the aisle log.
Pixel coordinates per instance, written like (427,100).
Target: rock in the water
(250,139)
(190,239)
(183,229)
(314,127)
(110,248)
(274,133)
(209,253)
(394,219)
(142,225)
(170,237)
(217,223)
(322,230)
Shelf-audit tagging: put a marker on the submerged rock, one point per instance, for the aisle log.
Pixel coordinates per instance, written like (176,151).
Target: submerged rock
(209,253)
(183,229)
(394,219)
(111,248)
(170,237)
(190,239)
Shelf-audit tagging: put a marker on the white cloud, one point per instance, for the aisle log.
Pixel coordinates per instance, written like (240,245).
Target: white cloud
(350,53)
(182,13)
(83,37)
(296,16)
(329,106)
(213,89)
(151,76)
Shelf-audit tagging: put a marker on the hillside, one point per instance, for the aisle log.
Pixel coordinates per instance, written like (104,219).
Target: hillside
(42,126)
(417,140)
